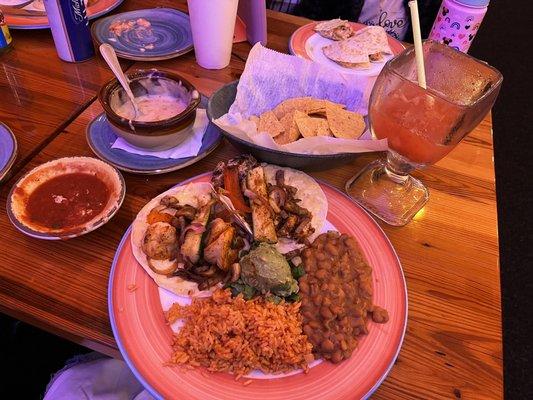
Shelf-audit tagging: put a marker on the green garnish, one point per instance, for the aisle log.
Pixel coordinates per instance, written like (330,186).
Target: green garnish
(297,272)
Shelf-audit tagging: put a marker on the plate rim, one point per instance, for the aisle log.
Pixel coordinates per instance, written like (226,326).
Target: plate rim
(151,389)
(12,158)
(47,25)
(128,56)
(43,236)
(176,167)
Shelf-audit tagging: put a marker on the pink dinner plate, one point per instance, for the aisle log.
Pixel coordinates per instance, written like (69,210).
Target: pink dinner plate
(300,37)
(144,338)
(29,18)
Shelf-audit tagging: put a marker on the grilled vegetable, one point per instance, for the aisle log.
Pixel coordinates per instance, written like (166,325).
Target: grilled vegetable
(263,224)
(219,250)
(216,227)
(191,247)
(163,267)
(233,189)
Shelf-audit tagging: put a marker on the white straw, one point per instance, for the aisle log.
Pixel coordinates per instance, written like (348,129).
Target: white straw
(413,5)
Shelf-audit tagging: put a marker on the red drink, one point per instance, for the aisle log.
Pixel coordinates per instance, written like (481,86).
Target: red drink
(419,126)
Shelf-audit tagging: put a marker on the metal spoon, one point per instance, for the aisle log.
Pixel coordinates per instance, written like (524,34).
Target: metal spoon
(110,56)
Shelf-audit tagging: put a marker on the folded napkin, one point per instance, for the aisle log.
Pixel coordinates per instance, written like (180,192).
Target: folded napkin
(190,147)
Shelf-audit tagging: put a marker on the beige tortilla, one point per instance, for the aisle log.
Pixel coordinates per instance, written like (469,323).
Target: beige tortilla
(194,194)
(355,52)
(335,29)
(347,51)
(312,198)
(374,39)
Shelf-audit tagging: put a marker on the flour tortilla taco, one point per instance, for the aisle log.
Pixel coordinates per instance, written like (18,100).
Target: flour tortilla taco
(165,251)
(190,243)
(287,207)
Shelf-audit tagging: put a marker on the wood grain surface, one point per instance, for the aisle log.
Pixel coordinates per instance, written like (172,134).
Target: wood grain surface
(453,345)
(40,94)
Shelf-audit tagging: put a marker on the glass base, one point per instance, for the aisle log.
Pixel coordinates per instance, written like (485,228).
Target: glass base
(391,197)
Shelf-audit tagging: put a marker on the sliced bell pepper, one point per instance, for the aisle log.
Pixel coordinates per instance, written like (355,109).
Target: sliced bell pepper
(233,189)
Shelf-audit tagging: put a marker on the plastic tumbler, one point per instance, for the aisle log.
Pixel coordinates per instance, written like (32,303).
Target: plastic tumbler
(458,22)
(212,26)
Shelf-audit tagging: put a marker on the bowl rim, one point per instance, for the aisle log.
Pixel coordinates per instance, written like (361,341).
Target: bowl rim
(110,86)
(267,149)
(107,214)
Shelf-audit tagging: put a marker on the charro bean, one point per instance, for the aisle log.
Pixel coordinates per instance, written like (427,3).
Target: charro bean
(336,296)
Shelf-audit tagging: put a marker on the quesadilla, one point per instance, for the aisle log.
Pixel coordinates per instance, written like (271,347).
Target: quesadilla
(365,46)
(335,29)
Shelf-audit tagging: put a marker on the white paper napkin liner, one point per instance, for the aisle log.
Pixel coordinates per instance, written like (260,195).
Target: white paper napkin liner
(190,147)
(270,77)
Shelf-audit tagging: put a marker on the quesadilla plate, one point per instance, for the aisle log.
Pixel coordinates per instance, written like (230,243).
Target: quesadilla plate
(307,43)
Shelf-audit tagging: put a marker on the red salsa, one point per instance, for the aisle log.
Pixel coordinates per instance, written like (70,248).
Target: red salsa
(67,200)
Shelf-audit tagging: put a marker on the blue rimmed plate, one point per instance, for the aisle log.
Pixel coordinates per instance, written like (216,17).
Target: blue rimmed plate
(100,137)
(167,36)
(8,149)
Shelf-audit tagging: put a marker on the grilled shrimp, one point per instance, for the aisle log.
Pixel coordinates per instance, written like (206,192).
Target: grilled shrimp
(160,241)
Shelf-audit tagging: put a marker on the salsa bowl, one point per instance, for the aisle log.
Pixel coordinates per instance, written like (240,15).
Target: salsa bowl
(65,198)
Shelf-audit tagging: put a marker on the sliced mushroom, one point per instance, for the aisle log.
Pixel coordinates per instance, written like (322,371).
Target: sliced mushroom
(280,177)
(169,201)
(294,208)
(288,226)
(212,281)
(304,228)
(278,196)
(186,211)
(206,270)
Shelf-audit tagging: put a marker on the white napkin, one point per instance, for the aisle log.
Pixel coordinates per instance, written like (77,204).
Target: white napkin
(188,148)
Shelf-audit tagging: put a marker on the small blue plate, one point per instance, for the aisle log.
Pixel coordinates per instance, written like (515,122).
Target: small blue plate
(8,149)
(169,35)
(100,137)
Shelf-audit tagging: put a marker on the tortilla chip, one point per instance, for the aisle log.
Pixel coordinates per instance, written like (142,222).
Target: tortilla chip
(345,124)
(269,123)
(290,130)
(322,109)
(311,126)
(303,104)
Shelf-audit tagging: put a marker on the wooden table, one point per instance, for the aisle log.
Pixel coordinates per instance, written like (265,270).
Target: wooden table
(453,344)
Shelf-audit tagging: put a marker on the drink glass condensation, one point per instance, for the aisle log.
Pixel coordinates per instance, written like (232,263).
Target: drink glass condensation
(212,26)
(421,125)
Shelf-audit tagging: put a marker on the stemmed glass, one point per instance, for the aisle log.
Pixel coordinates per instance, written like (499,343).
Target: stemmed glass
(421,125)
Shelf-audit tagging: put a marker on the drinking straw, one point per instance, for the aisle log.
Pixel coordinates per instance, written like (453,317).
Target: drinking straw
(421,72)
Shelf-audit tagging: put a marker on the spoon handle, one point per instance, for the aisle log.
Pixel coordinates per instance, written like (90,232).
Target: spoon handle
(108,52)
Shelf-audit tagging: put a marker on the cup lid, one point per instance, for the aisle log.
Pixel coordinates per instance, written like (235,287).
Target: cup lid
(474,3)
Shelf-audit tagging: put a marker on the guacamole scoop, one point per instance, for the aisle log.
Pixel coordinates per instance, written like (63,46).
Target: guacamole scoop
(267,270)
